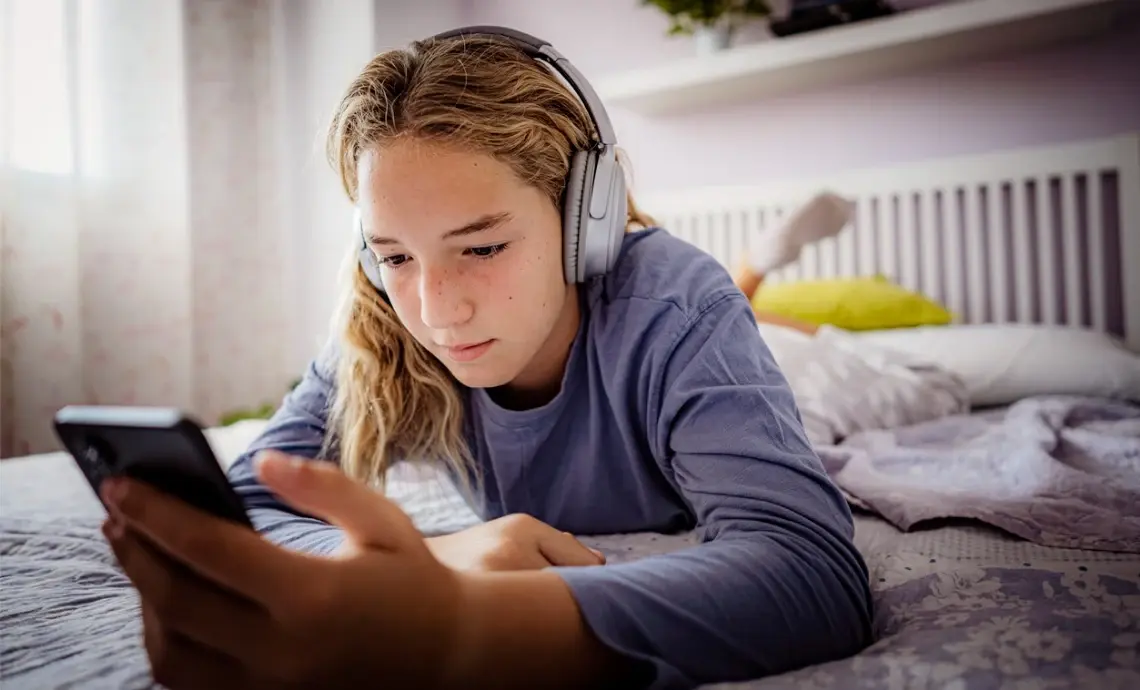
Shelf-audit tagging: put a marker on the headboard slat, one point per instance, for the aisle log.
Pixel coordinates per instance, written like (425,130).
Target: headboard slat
(1094,227)
(1047,256)
(976,258)
(1022,247)
(999,258)
(954,257)
(1043,235)
(1072,241)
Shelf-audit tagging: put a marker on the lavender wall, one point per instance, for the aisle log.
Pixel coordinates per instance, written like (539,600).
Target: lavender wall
(1059,94)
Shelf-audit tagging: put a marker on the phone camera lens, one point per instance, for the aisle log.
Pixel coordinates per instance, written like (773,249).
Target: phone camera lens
(92,456)
(96,458)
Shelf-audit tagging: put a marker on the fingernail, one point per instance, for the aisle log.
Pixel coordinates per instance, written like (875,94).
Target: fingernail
(113,490)
(261,457)
(113,529)
(282,466)
(267,456)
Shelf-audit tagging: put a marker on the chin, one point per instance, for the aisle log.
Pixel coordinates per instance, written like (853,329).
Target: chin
(481,376)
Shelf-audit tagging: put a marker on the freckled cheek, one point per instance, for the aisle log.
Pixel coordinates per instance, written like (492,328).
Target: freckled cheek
(496,283)
(517,280)
(523,281)
(405,297)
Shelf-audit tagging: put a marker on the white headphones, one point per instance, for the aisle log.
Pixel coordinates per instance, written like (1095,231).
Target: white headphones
(594,201)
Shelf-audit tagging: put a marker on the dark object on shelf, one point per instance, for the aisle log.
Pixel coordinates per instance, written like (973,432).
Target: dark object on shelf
(811,15)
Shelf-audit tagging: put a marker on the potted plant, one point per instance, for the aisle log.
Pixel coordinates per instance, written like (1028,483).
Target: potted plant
(711,22)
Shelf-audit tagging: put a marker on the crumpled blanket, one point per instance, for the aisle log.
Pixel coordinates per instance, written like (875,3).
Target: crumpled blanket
(843,385)
(1059,471)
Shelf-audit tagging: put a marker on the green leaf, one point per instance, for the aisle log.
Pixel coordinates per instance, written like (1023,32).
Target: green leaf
(685,15)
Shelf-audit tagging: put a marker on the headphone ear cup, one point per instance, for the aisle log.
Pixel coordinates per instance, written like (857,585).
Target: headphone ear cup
(617,215)
(371,269)
(574,216)
(600,239)
(366,258)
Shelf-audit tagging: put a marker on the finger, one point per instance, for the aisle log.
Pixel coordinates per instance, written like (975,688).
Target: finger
(179,662)
(154,639)
(562,549)
(184,603)
(601,556)
(322,490)
(231,556)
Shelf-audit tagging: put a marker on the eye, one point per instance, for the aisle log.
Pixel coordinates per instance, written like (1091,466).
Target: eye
(487,252)
(394,261)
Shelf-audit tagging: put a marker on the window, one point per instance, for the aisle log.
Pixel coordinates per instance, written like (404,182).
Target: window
(38,128)
(51,85)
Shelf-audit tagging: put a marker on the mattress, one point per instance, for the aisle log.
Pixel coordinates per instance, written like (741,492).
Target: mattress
(959,603)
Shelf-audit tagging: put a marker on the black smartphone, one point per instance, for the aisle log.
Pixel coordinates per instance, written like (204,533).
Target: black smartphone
(159,445)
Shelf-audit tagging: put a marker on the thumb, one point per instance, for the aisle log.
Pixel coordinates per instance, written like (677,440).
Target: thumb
(564,549)
(601,556)
(321,489)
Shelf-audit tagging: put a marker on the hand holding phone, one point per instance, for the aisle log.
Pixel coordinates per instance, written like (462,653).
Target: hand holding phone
(161,446)
(220,602)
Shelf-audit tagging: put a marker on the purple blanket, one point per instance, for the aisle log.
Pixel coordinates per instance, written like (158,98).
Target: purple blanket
(1057,471)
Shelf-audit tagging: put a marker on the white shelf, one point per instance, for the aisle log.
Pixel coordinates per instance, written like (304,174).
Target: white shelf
(937,35)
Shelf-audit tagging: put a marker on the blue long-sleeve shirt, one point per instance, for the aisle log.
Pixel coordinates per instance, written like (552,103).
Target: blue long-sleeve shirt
(672,415)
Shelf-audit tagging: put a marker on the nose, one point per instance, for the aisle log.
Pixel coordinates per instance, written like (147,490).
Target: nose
(443,302)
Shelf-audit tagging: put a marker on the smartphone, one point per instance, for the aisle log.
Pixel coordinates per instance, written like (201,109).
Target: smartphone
(161,446)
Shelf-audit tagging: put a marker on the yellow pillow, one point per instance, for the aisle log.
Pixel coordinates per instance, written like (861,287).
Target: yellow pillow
(854,304)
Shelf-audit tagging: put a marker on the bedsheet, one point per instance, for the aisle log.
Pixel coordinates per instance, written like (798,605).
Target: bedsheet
(958,604)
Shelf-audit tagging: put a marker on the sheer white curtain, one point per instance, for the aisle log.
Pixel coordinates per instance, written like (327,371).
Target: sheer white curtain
(140,165)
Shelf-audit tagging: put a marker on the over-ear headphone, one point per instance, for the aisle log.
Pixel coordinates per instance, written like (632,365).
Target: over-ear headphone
(594,201)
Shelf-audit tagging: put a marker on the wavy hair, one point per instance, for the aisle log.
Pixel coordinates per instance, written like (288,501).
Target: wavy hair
(393,399)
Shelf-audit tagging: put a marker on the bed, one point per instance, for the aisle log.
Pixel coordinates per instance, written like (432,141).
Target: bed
(1002,537)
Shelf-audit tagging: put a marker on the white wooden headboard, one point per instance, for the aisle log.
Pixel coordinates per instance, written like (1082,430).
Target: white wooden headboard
(1043,235)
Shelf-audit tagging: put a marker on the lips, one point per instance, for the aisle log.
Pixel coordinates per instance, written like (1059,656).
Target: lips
(468,352)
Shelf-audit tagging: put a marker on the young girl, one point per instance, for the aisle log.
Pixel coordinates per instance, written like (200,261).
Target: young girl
(580,379)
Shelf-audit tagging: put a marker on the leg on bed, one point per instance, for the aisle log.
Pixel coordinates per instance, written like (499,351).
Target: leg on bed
(749,282)
(824,215)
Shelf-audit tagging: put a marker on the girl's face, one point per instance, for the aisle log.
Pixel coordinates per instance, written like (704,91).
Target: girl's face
(471,258)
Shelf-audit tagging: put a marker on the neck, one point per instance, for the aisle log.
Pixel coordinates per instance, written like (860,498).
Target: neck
(541,380)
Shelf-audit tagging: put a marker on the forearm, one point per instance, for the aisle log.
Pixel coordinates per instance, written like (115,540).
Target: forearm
(524,630)
(737,608)
(297,428)
(297,532)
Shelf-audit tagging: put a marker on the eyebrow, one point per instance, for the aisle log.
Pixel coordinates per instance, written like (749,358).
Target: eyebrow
(481,224)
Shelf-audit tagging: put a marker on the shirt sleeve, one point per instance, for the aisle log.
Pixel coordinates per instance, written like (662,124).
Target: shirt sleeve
(775,582)
(298,428)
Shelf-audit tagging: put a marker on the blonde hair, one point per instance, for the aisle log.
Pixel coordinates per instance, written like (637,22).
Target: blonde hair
(393,399)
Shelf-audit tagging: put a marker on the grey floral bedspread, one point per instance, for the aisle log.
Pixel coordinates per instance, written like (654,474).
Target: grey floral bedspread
(966,607)
(960,604)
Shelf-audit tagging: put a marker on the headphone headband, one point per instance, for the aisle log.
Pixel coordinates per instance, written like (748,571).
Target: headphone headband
(594,205)
(542,50)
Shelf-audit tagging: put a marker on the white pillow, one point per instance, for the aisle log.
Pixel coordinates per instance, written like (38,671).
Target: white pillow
(1003,363)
